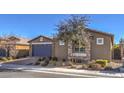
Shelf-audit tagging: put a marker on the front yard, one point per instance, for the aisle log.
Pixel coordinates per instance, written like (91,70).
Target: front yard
(52,62)
(98,65)
(48,66)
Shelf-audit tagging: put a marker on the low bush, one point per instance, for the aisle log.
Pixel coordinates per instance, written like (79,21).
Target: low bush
(108,68)
(9,58)
(103,63)
(3,59)
(63,60)
(79,60)
(42,59)
(72,64)
(84,66)
(50,58)
(45,62)
(54,59)
(95,66)
(64,63)
(72,60)
(53,62)
(78,66)
(38,62)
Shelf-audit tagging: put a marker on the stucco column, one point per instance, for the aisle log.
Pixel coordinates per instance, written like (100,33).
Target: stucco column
(69,50)
(88,52)
(30,50)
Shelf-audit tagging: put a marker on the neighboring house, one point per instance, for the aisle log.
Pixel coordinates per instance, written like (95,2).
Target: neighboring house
(14,46)
(100,47)
(122,47)
(3,51)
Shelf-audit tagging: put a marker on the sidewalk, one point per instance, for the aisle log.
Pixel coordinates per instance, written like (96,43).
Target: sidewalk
(63,70)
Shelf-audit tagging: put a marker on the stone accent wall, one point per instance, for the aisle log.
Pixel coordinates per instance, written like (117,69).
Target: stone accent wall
(83,56)
(122,50)
(70,50)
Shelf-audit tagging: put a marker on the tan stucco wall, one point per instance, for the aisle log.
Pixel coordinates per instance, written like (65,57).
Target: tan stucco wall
(101,51)
(97,51)
(60,51)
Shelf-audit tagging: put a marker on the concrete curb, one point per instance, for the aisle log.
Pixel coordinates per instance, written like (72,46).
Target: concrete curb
(64,70)
(82,72)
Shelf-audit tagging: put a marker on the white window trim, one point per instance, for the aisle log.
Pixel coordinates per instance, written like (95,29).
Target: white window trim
(79,54)
(61,43)
(97,41)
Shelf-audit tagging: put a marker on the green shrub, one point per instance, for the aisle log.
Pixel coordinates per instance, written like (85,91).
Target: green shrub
(54,59)
(53,62)
(63,60)
(45,62)
(41,59)
(103,63)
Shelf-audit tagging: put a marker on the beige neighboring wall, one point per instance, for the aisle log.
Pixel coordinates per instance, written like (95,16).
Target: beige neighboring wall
(101,51)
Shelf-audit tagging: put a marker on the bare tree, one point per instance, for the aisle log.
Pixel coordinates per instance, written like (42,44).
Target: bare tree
(73,31)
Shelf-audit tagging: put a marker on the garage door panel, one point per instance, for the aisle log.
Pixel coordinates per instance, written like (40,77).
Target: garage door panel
(42,50)
(2,52)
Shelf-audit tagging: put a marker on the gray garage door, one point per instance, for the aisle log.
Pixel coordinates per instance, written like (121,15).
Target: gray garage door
(2,52)
(42,50)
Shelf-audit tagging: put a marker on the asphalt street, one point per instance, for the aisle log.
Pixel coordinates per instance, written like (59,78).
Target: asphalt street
(27,74)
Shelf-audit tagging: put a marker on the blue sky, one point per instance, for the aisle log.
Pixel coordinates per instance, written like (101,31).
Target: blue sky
(33,25)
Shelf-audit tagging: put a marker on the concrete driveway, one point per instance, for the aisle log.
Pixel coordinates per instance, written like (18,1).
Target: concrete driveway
(23,61)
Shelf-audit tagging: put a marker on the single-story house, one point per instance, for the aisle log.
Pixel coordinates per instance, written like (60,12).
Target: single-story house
(100,47)
(14,46)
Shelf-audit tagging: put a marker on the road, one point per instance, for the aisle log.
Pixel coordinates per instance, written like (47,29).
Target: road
(27,74)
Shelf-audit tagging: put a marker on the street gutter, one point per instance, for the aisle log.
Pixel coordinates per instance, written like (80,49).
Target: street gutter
(64,70)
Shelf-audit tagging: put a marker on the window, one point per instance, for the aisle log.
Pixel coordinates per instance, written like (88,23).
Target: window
(77,49)
(82,50)
(41,38)
(100,41)
(61,43)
